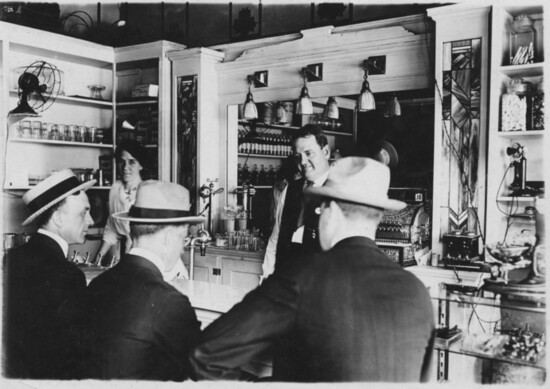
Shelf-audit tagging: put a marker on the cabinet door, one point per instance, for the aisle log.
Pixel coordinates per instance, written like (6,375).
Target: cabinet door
(205,267)
(241,273)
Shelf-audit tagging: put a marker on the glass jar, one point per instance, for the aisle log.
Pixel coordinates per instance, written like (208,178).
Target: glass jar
(522,41)
(538,107)
(35,129)
(516,106)
(25,129)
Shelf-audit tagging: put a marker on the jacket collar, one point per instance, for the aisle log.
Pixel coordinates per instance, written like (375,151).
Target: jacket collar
(356,241)
(49,243)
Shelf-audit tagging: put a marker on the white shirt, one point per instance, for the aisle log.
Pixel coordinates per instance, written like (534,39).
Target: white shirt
(271,250)
(179,269)
(151,257)
(64,245)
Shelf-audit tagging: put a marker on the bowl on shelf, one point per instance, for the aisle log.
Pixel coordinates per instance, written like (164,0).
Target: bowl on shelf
(506,253)
(95,91)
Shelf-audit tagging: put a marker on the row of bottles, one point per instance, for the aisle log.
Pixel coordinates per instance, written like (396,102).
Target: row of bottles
(258,176)
(267,144)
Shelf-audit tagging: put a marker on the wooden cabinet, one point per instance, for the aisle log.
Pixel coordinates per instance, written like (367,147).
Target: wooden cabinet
(241,272)
(150,114)
(60,135)
(504,197)
(239,269)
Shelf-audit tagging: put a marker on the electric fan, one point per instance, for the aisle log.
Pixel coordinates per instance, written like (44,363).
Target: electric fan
(39,86)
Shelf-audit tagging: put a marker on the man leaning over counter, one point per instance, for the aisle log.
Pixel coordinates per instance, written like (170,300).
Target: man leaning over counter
(347,313)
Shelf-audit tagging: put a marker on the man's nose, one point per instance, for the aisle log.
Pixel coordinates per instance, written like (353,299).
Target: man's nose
(89,219)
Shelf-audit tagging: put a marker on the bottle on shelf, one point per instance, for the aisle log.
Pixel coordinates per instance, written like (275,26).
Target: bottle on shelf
(270,175)
(254,175)
(246,174)
(262,177)
(239,174)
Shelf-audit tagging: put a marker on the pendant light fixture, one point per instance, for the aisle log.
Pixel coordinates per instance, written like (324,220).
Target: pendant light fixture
(304,106)
(331,109)
(392,108)
(250,112)
(366,101)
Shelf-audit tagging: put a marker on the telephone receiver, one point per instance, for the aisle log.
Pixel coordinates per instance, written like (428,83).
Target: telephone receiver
(516,150)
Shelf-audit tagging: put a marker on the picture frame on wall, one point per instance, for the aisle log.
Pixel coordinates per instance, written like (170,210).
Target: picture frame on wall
(335,14)
(245,21)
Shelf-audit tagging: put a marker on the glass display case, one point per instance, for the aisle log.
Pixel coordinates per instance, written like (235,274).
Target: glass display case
(493,336)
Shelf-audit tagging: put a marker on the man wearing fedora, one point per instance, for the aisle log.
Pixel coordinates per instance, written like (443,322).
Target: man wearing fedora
(349,313)
(141,326)
(39,339)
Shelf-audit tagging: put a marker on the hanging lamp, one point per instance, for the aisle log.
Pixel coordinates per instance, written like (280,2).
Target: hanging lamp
(331,109)
(366,101)
(304,106)
(393,108)
(250,111)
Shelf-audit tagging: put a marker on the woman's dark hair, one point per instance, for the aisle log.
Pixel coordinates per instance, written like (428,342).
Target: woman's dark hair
(136,150)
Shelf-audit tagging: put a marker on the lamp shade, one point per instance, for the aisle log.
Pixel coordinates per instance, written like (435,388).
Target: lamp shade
(304,106)
(393,108)
(366,100)
(250,111)
(331,109)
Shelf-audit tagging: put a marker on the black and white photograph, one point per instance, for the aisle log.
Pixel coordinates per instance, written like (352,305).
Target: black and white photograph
(273,193)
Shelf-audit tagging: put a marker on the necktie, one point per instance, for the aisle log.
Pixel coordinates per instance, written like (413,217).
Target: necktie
(303,207)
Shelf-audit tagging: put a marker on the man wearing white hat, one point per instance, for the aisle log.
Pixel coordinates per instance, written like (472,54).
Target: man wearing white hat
(39,281)
(348,313)
(141,326)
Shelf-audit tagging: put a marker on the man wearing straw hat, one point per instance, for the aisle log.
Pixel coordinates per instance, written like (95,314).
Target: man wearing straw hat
(348,313)
(141,326)
(39,281)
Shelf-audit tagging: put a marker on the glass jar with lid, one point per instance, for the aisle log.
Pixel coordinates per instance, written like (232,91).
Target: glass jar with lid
(516,106)
(522,41)
(538,106)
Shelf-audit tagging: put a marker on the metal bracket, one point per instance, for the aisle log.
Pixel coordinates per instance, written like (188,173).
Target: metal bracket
(376,65)
(313,72)
(260,79)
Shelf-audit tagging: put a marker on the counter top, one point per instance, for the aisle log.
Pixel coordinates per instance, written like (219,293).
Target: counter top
(202,295)
(208,296)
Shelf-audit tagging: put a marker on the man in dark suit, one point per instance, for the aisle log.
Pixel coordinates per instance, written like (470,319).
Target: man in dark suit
(346,314)
(294,232)
(40,340)
(142,327)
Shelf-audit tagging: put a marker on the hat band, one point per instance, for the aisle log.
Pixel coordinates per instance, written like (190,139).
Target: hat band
(53,193)
(153,213)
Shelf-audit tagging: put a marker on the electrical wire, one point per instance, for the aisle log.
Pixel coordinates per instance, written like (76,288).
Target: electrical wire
(452,146)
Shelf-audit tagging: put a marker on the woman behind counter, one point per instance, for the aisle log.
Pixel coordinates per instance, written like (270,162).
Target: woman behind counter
(130,158)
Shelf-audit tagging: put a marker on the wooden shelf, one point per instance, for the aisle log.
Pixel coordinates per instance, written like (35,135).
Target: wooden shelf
(77,99)
(136,102)
(527,70)
(520,134)
(244,155)
(258,186)
(32,186)
(338,133)
(62,143)
(526,199)
(267,125)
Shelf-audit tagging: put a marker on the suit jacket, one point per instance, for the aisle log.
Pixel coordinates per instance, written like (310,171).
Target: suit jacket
(39,339)
(349,314)
(141,327)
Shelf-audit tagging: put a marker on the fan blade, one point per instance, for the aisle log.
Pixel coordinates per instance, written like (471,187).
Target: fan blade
(41,97)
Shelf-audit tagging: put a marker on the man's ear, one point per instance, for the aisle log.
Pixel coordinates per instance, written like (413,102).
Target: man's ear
(57,218)
(326,151)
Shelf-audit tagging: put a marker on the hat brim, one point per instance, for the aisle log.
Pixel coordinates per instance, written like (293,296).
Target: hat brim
(325,191)
(171,220)
(83,186)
